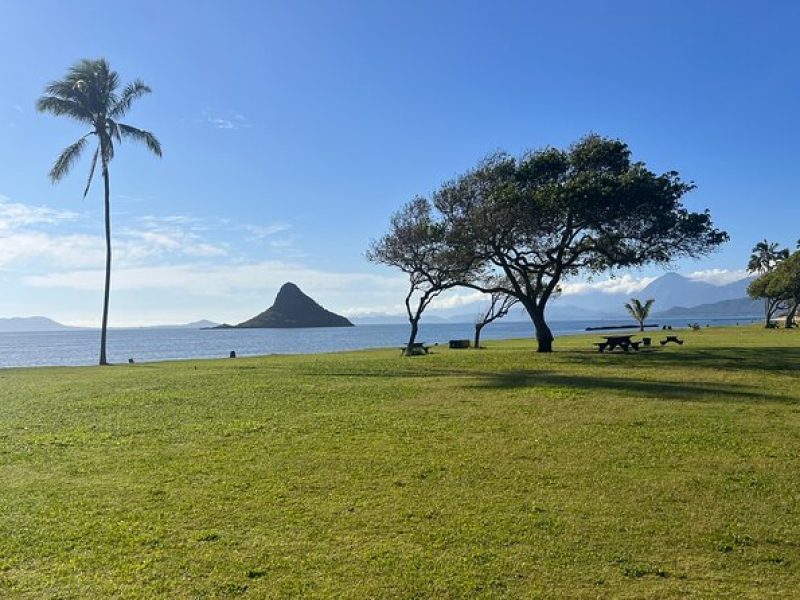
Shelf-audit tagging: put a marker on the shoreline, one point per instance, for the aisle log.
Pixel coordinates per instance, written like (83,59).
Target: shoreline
(435,344)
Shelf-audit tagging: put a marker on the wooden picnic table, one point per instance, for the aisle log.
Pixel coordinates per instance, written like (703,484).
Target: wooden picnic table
(612,341)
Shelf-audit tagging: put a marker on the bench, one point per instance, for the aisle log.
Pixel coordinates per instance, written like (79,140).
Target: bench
(601,346)
(672,338)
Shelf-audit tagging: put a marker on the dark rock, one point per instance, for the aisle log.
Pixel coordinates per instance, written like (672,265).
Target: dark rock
(292,308)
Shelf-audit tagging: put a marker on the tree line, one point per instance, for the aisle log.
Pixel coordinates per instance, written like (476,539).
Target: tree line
(778,281)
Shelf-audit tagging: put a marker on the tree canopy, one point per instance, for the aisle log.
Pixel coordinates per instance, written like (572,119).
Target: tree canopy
(555,213)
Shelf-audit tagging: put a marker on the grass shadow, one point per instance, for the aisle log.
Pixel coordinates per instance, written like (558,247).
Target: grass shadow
(738,359)
(628,387)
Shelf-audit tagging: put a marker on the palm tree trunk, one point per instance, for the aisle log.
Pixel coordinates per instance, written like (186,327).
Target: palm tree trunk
(107,206)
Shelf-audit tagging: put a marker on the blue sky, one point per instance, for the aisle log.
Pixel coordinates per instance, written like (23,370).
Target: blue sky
(292,130)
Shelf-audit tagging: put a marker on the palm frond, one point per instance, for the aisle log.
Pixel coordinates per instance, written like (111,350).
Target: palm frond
(91,83)
(140,135)
(135,89)
(68,89)
(67,158)
(91,171)
(64,106)
(639,311)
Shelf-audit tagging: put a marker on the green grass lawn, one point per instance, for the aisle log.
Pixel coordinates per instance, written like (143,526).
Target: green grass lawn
(493,473)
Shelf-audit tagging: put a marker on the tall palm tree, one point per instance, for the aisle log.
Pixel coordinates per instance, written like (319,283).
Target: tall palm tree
(765,257)
(639,311)
(89,94)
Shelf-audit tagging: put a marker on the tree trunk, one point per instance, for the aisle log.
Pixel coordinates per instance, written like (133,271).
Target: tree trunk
(641,326)
(412,336)
(790,315)
(544,336)
(104,326)
(478,327)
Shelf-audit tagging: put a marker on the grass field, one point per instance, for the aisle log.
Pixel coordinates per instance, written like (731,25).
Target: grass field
(493,473)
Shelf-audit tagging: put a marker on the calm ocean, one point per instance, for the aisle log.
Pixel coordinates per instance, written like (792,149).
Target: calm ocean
(79,347)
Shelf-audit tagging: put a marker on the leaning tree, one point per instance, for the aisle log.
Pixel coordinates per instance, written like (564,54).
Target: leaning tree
(415,244)
(90,94)
(557,213)
(498,306)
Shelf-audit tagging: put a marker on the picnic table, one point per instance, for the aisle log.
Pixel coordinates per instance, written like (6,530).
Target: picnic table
(417,348)
(612,341)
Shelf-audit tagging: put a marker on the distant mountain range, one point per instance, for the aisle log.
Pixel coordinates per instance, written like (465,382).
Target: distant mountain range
(739,307)
(675,295)
(43,324)
(202,324)
(18,324)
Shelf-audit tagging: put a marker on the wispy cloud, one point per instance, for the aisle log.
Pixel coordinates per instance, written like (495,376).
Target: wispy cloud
(456,299)
(270,229)
(221,280)
(15,214)
(624,284)
(26,242)
(235,121)
(719,276)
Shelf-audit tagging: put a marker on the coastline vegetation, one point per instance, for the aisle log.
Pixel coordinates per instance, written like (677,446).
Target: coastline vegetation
(503,473)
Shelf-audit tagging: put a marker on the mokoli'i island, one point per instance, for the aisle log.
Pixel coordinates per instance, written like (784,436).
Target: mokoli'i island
(293,309)
(399,300)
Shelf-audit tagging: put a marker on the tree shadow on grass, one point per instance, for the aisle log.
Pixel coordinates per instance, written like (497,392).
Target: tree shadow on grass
(738,359)
(607,385)
(628,387)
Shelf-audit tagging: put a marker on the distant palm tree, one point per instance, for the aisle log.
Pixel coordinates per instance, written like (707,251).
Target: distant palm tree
(639,311)
(88,94)
(765,257)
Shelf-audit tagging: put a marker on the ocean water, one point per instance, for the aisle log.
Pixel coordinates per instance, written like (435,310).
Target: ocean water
(80,346)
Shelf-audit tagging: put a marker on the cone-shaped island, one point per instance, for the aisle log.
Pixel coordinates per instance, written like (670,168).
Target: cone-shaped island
(293,309)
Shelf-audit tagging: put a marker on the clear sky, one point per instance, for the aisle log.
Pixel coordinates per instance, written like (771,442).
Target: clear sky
(292,130)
